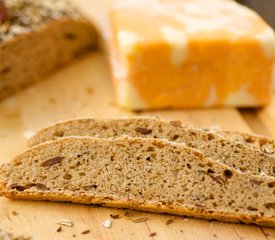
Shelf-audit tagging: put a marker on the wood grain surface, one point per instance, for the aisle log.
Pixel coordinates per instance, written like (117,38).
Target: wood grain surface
(84,89)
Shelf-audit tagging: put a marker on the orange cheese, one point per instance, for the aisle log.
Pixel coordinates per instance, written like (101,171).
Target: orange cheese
(190,53)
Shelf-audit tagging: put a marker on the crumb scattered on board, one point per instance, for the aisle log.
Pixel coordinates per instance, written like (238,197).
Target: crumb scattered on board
(86,232)
(59,229)
(65,222)
(114,216)
(169,221)
(139,220)
(14,213)
(107,223)
(152,234)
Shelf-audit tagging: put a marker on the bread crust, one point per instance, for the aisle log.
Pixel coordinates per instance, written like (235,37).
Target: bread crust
(196,213)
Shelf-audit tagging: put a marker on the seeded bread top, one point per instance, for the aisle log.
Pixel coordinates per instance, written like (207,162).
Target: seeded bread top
(29,15)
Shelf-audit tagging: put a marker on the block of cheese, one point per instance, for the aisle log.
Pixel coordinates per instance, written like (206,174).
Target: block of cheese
(190,53)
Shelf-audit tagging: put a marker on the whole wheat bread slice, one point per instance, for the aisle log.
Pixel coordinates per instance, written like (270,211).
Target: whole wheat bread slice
(137,173)
(228,151)
(38,38)
(266,144)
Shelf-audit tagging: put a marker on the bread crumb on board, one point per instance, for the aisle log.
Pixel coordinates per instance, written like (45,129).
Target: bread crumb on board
(169,221)
(107,223)
(65,222)
(114,216)
(139,220)
(14,213)
(86,232)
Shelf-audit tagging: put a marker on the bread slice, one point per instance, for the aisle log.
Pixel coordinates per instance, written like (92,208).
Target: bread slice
(228,151)
(137,173)
(38,38)
(266,144)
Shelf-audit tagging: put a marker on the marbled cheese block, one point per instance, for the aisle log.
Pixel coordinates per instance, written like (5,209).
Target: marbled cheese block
(190,53)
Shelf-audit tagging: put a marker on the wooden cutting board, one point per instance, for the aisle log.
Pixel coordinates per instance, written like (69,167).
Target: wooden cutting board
(84,90)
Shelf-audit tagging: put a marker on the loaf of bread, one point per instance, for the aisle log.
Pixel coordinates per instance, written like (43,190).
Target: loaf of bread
(139,173)
(191,53)
(39,37)
(226,150)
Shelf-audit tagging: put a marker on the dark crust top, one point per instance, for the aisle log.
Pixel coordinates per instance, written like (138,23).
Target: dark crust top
(28,15)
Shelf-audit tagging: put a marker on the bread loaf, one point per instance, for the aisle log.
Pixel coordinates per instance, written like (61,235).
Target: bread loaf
(38,38)
(234,153)
(142,174)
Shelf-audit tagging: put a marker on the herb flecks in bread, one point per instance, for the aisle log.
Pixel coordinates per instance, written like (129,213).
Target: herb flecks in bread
(143,174)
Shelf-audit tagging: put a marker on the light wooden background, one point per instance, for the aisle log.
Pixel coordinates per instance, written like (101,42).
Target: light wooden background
(84,90)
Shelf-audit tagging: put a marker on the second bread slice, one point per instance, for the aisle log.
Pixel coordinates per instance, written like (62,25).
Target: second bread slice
(143,174)
(234,153)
